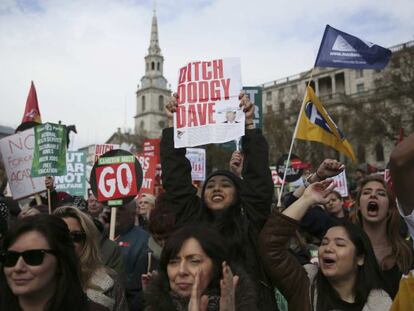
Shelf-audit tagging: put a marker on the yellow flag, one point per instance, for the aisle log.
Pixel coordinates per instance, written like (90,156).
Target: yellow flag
(316,125)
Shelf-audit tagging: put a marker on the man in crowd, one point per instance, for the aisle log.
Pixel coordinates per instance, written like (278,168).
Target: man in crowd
(133,242)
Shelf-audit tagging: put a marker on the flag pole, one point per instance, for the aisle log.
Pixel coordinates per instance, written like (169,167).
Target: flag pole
(279,199)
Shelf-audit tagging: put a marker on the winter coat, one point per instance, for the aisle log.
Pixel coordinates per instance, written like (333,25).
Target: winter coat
(158,296)
(288,275)
(107,291)
(255,197)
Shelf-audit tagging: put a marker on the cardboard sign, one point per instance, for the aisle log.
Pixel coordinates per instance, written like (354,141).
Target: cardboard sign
(49,156)
(17,153)
(148,164)
(197,158)
(208,105)
(74,182)
(116,177)
(294,168)
(340,184)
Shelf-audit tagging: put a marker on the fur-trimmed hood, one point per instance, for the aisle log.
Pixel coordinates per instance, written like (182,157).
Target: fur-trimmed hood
(158,296)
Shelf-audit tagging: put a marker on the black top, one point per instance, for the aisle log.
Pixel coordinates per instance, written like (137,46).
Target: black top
(392,279)
(339,304)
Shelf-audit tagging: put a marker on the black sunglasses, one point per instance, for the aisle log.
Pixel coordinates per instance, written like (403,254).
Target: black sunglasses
(78,236)
(33,257)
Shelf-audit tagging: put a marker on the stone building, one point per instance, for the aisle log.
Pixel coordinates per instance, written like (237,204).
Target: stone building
(366,104)
(153,91)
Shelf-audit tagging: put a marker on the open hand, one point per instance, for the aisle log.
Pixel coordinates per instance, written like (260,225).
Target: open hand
(198,302)
(317,192)
(228,289)
(248,107)
(329,168)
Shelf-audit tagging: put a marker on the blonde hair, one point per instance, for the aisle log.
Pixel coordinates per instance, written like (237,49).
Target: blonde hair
(90,260)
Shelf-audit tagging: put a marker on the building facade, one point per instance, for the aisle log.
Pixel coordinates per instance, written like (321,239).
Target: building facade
(153,92)
(363,103)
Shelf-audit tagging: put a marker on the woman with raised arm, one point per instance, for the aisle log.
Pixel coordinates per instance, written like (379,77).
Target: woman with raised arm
(348,277)
(238,208)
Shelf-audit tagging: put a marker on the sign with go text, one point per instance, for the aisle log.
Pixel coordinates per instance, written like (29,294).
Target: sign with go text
(116,177)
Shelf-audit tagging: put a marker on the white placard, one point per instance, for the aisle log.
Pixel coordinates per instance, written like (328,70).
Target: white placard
(17,152)
(208,103)
(341,184)
(197,158)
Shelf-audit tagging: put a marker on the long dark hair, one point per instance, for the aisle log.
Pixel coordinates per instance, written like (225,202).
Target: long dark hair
(68,293)
(368,275)
(209,240)
(229,221)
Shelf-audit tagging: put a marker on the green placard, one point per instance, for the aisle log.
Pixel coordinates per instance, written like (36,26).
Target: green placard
(74,182)
(49,157)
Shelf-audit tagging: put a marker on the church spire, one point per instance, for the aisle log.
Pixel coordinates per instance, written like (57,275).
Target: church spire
(154,47)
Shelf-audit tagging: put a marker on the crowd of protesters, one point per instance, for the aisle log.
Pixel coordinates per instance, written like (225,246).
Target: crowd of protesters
(224,247)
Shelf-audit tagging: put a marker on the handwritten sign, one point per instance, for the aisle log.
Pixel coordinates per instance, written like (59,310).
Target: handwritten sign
(17,153)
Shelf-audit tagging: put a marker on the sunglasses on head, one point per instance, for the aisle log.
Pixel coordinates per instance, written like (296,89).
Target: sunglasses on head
(33,257)
(78,236)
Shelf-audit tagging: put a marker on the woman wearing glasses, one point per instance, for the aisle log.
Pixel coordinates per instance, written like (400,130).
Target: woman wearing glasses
(40,269)
(99,282)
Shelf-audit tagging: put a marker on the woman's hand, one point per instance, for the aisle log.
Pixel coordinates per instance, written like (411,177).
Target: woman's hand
(171,108)
(314,193)
(198,302)
(329,168)
(236,163)
(248,108)
(317,193)
(146,278)
(228,289)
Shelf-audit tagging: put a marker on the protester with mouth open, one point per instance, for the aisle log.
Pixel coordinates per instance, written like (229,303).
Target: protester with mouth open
(378,215)
(348,277)
(238,208)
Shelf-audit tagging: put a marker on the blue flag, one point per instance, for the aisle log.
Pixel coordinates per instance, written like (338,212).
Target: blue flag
(339,49)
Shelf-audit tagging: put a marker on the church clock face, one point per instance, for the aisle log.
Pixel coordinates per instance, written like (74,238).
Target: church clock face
(160,83)
(145,82)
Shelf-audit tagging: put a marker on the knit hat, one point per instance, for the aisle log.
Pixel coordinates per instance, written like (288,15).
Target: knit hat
(236,181)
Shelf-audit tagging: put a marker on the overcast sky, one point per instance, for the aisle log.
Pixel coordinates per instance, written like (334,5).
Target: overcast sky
(87,57)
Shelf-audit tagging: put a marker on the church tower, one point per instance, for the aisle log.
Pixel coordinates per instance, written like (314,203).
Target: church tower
(153,93)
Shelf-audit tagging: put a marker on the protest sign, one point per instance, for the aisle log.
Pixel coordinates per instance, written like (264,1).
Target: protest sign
(208,105)
(49,156)
(340,184)
(17,153)
(151,147)
(74,182)
(148,164)
(197,158)
(116,177)
(277,180)
(294,170)
(255,96)
(100,149)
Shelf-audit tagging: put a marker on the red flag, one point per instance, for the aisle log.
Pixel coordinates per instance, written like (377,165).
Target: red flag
(32,112)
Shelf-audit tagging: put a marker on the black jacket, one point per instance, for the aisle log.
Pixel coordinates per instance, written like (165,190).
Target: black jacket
(255,196)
